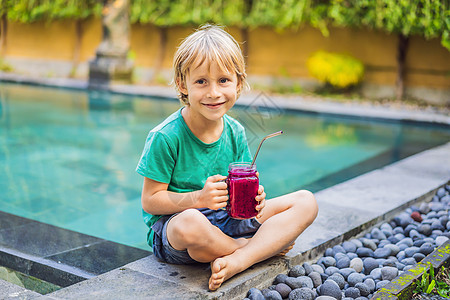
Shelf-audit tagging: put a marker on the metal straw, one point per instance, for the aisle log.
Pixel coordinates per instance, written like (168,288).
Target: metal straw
(259,147)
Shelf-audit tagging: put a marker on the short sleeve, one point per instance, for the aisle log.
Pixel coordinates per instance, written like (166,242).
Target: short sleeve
(158,158)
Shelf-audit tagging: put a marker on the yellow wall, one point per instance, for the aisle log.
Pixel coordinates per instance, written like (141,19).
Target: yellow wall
(270,52)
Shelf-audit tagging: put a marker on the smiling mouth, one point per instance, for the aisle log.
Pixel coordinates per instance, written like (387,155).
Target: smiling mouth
(214,105)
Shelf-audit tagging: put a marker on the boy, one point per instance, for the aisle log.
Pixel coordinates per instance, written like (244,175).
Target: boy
(184,162)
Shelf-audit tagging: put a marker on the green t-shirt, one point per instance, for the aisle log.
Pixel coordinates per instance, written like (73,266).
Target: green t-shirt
(174,155)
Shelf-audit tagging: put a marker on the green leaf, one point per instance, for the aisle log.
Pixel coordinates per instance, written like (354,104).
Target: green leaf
(431,286)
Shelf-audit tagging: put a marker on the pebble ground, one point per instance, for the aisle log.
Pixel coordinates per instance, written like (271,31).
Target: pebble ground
(357,268)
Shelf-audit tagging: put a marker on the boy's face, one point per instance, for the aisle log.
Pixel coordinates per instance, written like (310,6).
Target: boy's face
(211,91)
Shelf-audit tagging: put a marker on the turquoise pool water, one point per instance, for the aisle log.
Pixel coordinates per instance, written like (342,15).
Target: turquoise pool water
(68,157)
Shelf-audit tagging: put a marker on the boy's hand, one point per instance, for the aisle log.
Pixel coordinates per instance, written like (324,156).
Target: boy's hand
(214,194)
(261,198)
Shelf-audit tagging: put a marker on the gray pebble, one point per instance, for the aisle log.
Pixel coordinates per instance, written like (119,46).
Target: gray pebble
(398,229)
(272,295)
(414,234)
(369,244)
(331,270)
(409,228)
(344,262)
(402,246)
(283,289)
(408,261)
(441,192)
(378,234)
(440,240)
(339,279)
(301,294)
(401,255)
(399,266)
(399,236)
(386,226)
(316,278)
(317,268)
(307,268)
(294,282)
(339,255)
(329,261)
(352,292)
(370,283)
(389,273)
(349,247)
(426,248)
(394,249)
(346,271)
(306,282)
(437,206)
(354,278)
(436,225)
(364,289)
(364,252)
(357,243)
(280,278)
(329,252)
(424,208)
(339,249)
(357,264)
(297,271)
(370,264)
(330,288)
(425,229)
(376,274)
(418,256)
(382,243)
(351,255)
(418,242)
(325,298)
(407,241)
(411,251)
(382,252)
(391,262)
(255,294)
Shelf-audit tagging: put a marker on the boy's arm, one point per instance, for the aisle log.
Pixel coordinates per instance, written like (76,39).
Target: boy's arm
(157,200)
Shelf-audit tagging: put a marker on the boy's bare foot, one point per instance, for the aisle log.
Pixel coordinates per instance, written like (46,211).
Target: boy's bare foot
(286,250)
(222,269)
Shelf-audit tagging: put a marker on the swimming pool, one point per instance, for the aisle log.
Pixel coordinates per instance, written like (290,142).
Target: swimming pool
(68,157)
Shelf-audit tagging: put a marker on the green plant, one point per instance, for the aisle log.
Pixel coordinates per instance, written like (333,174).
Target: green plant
(341,71)
(432,283)
(4,66)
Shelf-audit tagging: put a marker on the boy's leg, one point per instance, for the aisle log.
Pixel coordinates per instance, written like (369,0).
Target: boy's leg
(284,219)
(190,230)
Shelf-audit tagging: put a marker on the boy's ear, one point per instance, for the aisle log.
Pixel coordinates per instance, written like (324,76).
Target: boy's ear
(182,86)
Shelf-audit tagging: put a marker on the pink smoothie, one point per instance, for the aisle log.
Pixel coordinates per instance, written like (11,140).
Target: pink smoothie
(243,187)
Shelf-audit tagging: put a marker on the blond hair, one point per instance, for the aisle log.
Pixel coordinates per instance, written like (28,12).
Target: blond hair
(209,43)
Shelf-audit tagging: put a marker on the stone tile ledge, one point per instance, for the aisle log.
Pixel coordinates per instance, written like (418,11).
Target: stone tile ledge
(261,99)
(346,210)
(12,291)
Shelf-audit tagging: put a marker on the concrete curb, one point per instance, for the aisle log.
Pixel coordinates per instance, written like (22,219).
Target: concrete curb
(402,286)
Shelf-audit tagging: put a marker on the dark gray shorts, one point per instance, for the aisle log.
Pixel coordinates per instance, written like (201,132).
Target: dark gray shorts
(231,227)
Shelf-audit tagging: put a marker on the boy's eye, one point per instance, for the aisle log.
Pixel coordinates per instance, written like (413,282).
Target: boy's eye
(200,81)
(224,80)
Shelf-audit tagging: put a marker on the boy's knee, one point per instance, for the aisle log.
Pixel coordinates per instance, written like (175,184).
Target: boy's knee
(187,225)
(307,203)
